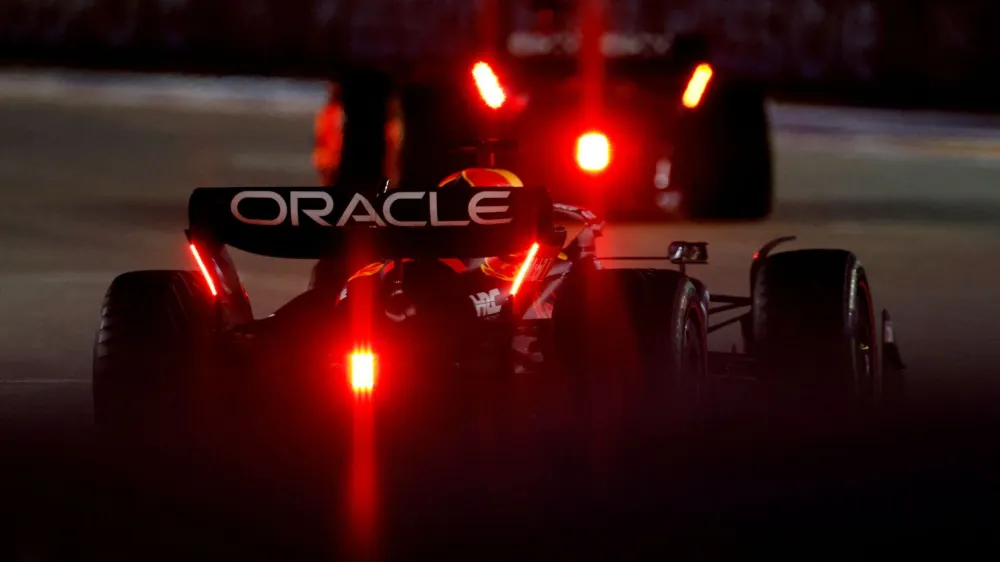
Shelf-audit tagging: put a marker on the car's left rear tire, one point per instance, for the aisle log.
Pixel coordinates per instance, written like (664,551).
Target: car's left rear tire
(151,352)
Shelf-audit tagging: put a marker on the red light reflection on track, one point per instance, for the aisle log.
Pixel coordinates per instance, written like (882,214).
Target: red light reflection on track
(362,477)
(362,483)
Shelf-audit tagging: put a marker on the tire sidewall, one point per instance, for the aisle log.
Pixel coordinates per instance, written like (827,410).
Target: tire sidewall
(857,311)
(141,398)
(659,319)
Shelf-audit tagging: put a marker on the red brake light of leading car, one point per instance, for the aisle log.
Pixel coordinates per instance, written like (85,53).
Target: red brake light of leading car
(524,269)
(593,152)
(204,270)
(488,85)
(696,85)
(362,371)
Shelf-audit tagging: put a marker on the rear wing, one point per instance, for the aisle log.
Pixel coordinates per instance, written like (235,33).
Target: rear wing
(313,223)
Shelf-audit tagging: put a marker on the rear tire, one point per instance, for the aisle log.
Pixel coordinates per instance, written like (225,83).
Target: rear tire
(151,352)
(814,326)
(634,334)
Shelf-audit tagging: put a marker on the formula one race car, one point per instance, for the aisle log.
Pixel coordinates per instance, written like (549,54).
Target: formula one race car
(470,292)
(632,124)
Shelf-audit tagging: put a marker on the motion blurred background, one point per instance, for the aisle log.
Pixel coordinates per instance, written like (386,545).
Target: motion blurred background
(111,111)
(928,53)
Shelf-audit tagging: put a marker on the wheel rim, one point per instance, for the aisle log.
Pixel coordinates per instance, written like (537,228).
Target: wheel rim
(865,346)
(692,369)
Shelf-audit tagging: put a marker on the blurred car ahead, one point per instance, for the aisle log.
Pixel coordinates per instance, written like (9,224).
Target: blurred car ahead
(629,124)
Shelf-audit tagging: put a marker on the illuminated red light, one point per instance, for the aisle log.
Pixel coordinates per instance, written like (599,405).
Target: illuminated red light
(362,371)
(204,270)
(524,269)
(696,85)
(488,85)
(593,152)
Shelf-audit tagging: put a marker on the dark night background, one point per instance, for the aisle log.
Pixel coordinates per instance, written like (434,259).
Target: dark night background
(90,188)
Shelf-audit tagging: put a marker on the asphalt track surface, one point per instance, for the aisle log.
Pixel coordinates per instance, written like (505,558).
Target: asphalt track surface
(86,193)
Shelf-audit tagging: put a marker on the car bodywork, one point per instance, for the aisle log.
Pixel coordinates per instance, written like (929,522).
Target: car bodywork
(427,272)
(463,280)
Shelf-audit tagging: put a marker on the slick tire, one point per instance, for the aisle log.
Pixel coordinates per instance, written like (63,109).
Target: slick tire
(632,334)
(151,351)
(814,326)
(723,162)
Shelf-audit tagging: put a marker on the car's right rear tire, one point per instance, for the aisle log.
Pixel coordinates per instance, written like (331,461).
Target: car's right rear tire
(151,351)
(814,327)
(637,333)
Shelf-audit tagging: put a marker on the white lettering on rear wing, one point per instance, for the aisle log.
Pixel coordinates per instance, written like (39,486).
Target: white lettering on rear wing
(361,210)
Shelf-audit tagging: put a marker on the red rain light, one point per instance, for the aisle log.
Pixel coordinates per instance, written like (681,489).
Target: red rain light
(593,152)
(488,85)
(524,269)
(696,85)
(362,371)
(204,270)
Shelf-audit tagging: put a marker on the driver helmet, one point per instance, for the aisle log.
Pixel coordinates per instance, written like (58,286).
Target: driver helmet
(504,267)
